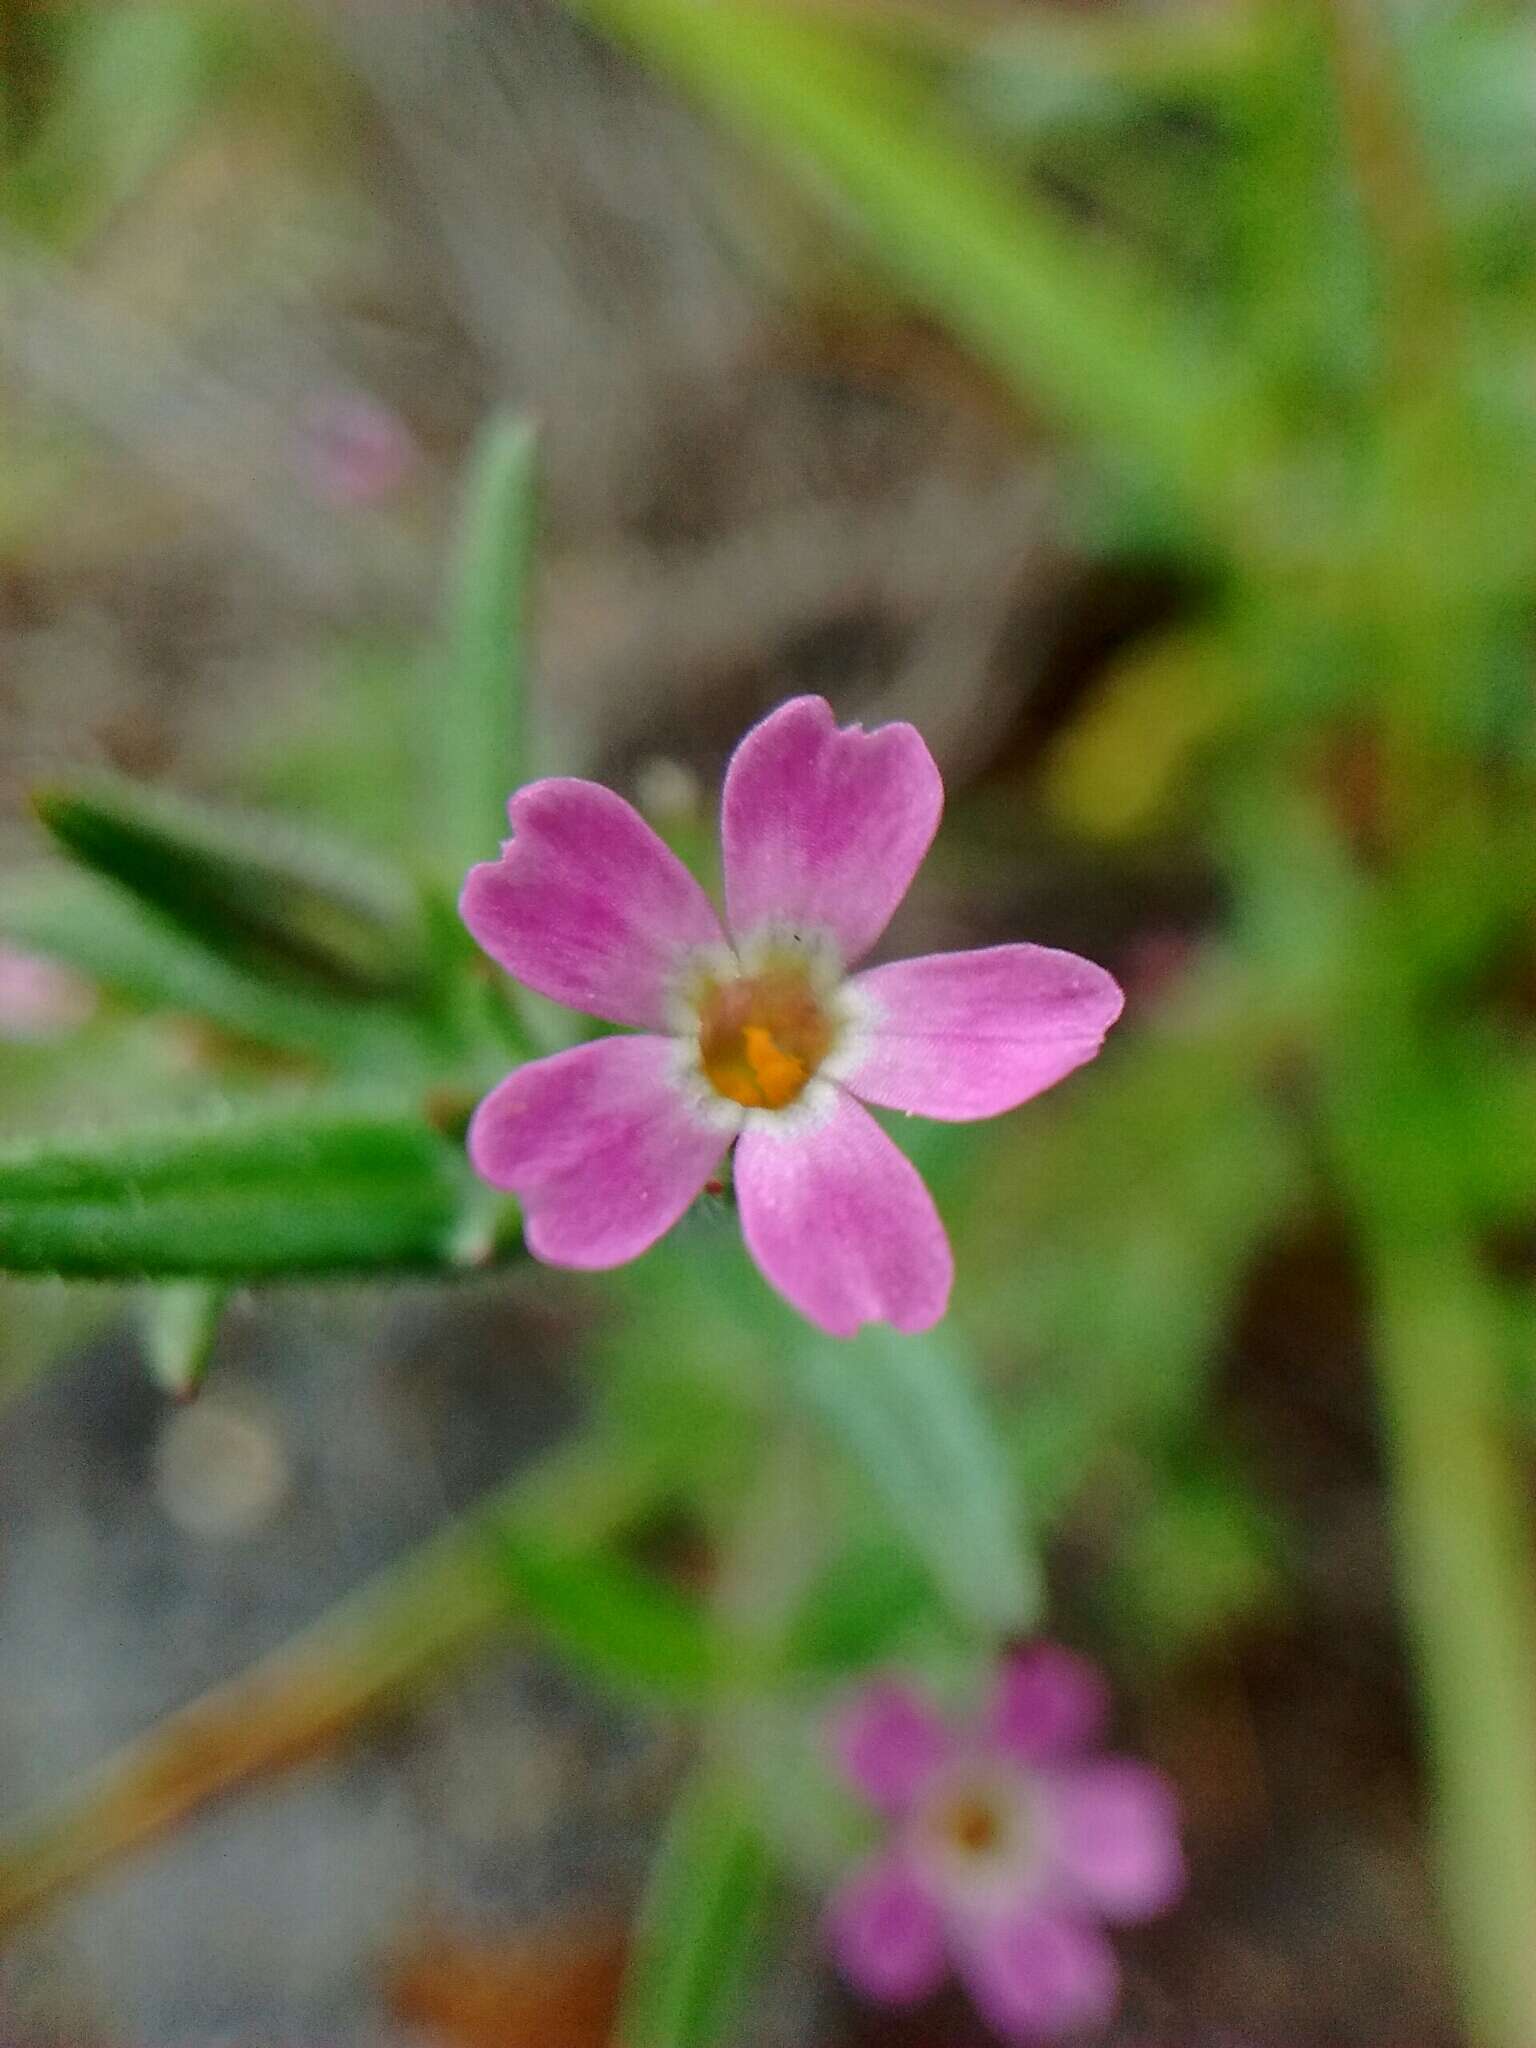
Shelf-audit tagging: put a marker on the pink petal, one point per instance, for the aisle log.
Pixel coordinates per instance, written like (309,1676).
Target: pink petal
(889,1742)
(587,905)
(823,828)
(601,1146)
(1034,1975)
(839,1220)
(962,1035)
(1115,1839)
(886,1934)
(1047,1704)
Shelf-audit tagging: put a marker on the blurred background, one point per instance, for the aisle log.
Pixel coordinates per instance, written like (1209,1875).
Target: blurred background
(1156,433)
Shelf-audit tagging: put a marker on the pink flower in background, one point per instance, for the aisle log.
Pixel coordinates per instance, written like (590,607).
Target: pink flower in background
(39,999)
(1008,1841)
(754,1033)
(356,452)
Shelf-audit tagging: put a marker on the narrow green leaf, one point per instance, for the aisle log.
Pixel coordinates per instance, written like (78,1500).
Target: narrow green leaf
(327,1188)
(479,710)
(181,1325)
(134,951)
(701,1922)
(254,891)
(904,1409)
(1053,310)
(622,1624)
(131,82)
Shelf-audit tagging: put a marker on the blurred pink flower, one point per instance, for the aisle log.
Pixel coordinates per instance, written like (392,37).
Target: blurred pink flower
(761,1038)
(1008,1841)
(355,451)
(38,998)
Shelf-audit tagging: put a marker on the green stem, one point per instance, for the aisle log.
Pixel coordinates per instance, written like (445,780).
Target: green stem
(372,1654)
(1462,1523)
(1460,1501)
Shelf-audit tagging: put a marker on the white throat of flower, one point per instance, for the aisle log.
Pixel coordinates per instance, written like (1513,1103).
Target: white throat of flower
(977,1834)
(765,1030)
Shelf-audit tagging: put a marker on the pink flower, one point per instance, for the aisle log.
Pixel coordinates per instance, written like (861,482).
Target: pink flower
(755,1033)
(1007,1842)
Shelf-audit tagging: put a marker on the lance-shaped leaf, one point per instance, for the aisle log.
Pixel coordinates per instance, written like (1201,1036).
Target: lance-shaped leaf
(905,1410)
(333,1187)
(137,952)
(700,1924)
(478,709)
(254,891)
(181,1325)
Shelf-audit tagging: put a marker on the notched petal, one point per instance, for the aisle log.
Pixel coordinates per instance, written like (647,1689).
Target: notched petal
(823,826)
(587,905)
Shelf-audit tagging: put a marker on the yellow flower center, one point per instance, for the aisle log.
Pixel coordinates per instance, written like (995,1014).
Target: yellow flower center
(762,1037)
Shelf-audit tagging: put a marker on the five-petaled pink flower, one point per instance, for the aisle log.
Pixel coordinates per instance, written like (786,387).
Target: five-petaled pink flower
(1008,1840)
(755,1033)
